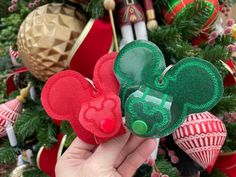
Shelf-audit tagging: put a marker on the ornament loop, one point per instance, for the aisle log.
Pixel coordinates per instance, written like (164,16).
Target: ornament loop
(164,73)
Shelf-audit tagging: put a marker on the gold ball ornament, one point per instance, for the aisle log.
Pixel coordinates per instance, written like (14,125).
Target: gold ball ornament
(47,36)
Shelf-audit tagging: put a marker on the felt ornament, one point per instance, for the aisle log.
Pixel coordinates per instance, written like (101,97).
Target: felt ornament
(226,163)
(47,157)
(156,99)
(201,136)
(92,109)
(11,110)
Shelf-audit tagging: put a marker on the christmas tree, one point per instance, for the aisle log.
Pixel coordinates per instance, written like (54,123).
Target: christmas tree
(38,39)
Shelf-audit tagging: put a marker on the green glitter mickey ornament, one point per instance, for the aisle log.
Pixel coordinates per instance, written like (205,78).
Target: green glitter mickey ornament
(156,99)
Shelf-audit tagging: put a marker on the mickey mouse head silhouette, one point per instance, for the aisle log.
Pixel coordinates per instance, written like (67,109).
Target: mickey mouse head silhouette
(157,99)
(94,110)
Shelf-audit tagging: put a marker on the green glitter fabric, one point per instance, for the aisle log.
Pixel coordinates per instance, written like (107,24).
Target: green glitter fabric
(153,108)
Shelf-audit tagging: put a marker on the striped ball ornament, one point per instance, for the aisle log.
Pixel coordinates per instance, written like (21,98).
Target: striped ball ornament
(177,7)
(9,111)
(201,136)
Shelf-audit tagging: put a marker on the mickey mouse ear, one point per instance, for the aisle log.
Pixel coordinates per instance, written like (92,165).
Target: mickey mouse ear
(103,76)
(195,85)
(63,94)
(138,61)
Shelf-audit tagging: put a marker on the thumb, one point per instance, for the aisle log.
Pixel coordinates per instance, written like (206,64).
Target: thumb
(107,153)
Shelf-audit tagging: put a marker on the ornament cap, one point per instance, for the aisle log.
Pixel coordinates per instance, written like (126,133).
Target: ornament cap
(109,4)
(24,93)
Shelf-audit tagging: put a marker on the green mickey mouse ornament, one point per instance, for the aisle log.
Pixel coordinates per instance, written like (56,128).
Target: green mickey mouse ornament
(156,99)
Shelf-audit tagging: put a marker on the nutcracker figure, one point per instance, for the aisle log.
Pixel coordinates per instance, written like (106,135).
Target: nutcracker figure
(131,14)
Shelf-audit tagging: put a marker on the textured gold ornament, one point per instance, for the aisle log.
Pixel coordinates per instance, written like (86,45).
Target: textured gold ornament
(47,36)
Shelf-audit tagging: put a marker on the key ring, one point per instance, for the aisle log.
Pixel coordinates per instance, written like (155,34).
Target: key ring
(164,73)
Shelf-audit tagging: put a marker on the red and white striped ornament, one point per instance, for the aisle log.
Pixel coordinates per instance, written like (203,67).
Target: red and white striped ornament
(11,110)
(201,136)
(14,55)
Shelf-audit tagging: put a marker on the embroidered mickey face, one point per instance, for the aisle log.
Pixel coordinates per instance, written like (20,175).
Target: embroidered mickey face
(156,106)
(94,111)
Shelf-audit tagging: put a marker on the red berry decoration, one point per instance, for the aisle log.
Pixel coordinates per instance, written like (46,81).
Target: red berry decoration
(11,8)
(31,5)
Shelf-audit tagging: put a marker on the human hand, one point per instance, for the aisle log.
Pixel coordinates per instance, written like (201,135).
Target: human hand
(119,157)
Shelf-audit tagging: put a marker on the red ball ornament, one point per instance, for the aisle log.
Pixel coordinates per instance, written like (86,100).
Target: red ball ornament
(201,136)
(175,7)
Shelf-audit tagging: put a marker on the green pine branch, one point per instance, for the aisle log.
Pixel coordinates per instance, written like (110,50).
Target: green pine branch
(66,129)
(7,153)
(95,8)
(28,124)
(215,53)
(164,34)
(47,135)
(165,167)
(226,104)
(33,171)
(230,143)
(230,91)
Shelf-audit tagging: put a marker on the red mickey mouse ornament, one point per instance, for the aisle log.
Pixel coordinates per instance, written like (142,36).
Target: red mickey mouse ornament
(93,110)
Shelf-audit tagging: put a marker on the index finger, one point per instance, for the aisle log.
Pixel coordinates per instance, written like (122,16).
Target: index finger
(78,150)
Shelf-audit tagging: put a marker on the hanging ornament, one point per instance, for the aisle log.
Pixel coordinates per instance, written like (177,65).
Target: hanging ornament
(11,110)
(46,37)
(14,54)
(201,136)
(93,110)
(174,8)
(56,36)
(47,157)
(156,99)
